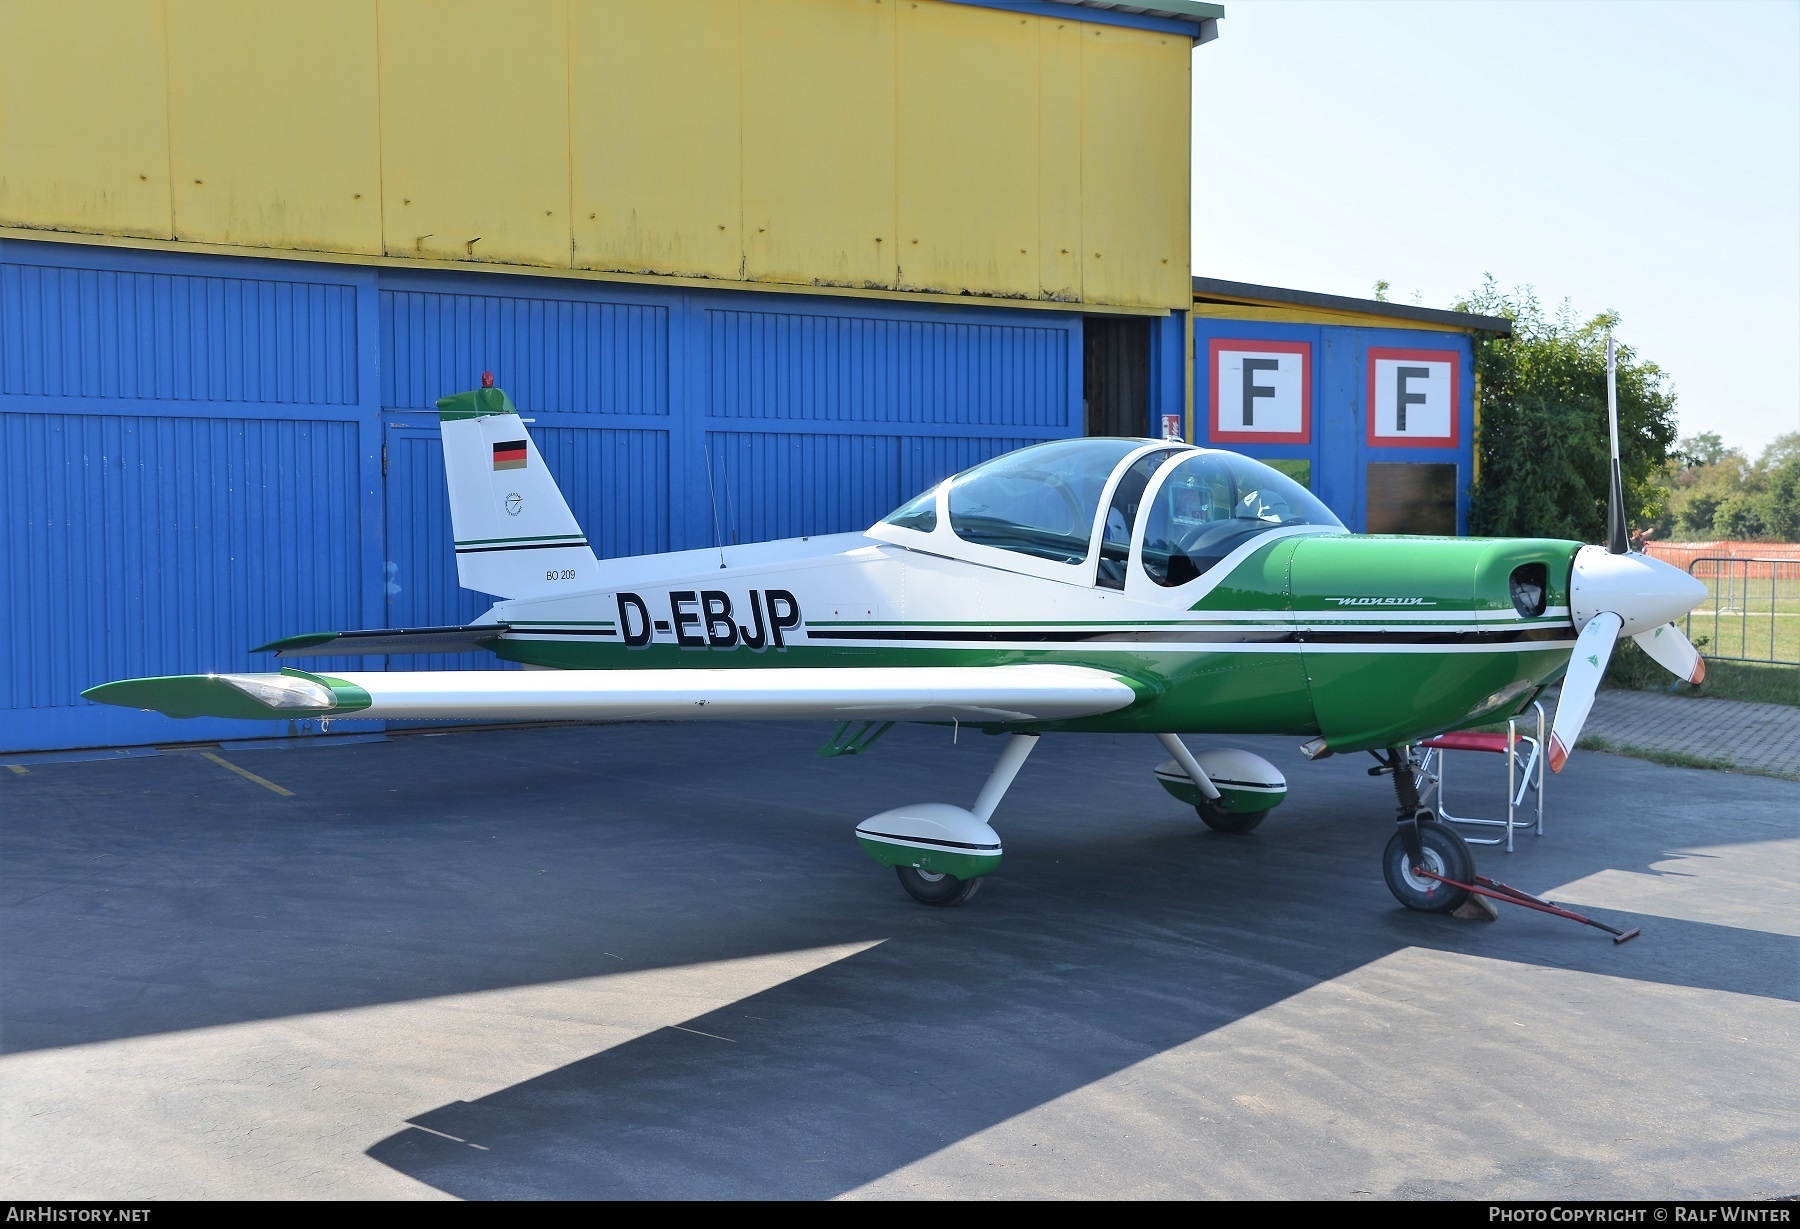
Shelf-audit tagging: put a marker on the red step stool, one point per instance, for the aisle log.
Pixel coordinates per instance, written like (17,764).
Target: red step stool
(1524,772)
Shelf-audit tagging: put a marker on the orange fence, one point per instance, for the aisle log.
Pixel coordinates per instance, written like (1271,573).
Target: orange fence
(1760,559)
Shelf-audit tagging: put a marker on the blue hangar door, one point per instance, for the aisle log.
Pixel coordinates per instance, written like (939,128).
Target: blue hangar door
(200,454)
(674,420)
(187,468)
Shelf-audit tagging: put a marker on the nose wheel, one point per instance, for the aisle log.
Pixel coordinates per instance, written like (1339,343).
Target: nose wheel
(1443,853)
(1421,844)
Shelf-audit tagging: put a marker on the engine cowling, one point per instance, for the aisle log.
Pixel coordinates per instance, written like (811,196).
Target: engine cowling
(1405,637)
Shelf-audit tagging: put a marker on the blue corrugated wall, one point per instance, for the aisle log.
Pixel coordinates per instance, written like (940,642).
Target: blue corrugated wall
(199,454)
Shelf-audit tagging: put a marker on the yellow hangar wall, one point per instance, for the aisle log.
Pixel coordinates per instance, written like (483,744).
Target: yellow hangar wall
(879,144)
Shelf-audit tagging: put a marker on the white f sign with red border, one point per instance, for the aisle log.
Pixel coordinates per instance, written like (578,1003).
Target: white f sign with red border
(1412,398)
(1261,391)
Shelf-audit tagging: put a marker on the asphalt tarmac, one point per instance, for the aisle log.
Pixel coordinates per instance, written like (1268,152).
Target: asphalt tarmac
(650,961)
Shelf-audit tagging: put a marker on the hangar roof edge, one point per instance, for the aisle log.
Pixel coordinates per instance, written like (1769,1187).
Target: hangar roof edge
(1251,295)
(1195,18)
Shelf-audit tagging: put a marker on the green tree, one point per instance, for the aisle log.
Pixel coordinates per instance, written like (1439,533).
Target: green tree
(1697,451)
(1717,492)
(1779,502)
(1784,452)
(1695,518)
(1700,489)
(1543,447)
(1739,515)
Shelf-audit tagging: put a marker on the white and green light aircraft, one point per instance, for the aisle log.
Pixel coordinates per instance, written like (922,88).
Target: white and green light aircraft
(1083,585)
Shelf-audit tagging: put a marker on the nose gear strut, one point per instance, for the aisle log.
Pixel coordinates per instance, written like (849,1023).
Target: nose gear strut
(1403,765)
(1425,863)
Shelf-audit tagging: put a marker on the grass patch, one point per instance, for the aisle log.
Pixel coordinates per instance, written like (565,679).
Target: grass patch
(1761,635)
(1748,680)
(1675,759)
(1631,669)
(1753,617)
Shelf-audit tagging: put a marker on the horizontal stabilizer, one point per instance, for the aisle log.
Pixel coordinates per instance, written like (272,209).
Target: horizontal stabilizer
(979,694)
(382,640)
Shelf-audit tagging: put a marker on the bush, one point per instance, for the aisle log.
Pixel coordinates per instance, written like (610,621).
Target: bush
(1543,449)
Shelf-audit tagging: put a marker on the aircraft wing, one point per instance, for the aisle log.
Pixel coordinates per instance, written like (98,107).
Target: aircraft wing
(1009,694)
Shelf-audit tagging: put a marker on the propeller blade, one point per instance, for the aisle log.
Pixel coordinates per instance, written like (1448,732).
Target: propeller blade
(1617,542)
(1593,648)
(1673,651)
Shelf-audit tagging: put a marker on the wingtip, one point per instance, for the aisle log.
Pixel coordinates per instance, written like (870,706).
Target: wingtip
(181,695)
(100,693)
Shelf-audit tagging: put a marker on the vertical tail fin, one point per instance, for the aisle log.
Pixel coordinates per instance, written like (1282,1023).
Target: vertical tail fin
(515,535)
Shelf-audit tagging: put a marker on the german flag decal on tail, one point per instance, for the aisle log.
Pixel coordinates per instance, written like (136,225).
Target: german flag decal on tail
(510,455)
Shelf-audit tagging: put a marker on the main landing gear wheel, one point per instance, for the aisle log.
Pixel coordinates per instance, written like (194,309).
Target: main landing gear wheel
(1219,819)
(936,887)
(1446,854)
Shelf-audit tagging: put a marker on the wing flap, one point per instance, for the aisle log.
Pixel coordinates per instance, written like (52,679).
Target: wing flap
(1008,694)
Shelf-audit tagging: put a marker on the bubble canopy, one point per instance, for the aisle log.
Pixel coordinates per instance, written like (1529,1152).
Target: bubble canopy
(1045,502)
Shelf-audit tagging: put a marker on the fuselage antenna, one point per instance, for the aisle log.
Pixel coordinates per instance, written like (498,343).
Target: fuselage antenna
(713,495)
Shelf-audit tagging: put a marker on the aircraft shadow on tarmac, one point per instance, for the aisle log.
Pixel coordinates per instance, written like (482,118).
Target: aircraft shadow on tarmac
(1110,949)
(842,1076)
(1102,944)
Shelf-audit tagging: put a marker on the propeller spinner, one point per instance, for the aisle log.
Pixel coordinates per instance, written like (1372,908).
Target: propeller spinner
(1615,592)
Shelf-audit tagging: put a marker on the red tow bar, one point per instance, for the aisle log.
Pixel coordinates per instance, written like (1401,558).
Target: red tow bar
(1494,890)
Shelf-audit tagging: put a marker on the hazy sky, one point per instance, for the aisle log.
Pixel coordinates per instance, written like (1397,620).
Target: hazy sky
(1638,156)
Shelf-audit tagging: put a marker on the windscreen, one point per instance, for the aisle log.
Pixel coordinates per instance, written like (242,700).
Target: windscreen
(919,512)
(1213,503)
